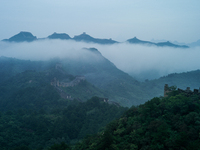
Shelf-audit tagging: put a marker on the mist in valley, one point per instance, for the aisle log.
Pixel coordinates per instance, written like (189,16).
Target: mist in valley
(140,61)
(150,62)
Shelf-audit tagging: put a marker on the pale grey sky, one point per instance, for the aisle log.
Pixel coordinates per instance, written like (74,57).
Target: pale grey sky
(117,19)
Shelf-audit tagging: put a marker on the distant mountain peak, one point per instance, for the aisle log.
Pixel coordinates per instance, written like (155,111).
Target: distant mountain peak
(169,44)
(62,36)
(87,38)
(135,40)
(23,36)
(83,36)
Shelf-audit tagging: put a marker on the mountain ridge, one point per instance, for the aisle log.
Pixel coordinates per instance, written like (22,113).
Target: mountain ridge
(28,37)
(159,44)
(99,71)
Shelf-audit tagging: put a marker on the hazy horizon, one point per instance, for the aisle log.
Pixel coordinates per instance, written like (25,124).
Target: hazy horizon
(119,20)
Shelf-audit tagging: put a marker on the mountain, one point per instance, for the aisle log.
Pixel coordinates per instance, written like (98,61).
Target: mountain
(10,67)
(102,76)
(28,37)
(161,123)
(194,44)
(62,36)
(22,37)
(97,70)
(137,41)
(24,129)
(44,89)
(102,73)
(169,44)
(181,80)
(87,38)
(160,44)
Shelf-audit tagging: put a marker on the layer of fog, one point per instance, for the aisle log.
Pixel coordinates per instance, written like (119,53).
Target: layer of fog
(150,62)
(46,50)
(142,62)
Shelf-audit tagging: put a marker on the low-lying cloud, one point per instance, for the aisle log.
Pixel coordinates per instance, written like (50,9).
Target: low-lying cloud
(152,62)
(142,62)
(43,49)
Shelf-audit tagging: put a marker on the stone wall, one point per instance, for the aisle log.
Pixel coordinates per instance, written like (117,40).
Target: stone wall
(186,92)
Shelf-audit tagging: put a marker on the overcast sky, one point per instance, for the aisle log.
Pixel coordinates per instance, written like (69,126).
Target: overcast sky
(117,19)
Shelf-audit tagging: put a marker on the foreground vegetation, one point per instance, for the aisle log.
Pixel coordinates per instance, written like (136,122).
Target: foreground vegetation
(41,129)
(161,123)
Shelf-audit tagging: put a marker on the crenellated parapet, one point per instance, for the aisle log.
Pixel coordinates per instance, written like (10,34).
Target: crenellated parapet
(186,92)
(55,82)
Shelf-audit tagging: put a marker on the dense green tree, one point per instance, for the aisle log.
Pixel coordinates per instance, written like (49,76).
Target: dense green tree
(161,123)
(23,147)
(61,146)
(41,128)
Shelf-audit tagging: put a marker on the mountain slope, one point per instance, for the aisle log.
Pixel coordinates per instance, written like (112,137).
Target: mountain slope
(118,86)
(40,129)
(181,80)
(99,71)
(35,90)
(161,123)
(12,66)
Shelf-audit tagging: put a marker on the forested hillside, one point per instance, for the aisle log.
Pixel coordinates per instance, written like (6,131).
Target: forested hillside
(104,79)
(161,123)
(44,104)
(33,90)
(181,80)
(39,129)
(98,71)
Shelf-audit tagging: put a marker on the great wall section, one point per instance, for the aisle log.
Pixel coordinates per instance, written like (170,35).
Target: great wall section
(59,85)
(186,92)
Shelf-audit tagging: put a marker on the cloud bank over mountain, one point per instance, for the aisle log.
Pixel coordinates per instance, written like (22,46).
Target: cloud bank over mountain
(152,62)
(44,50)
(142,62)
